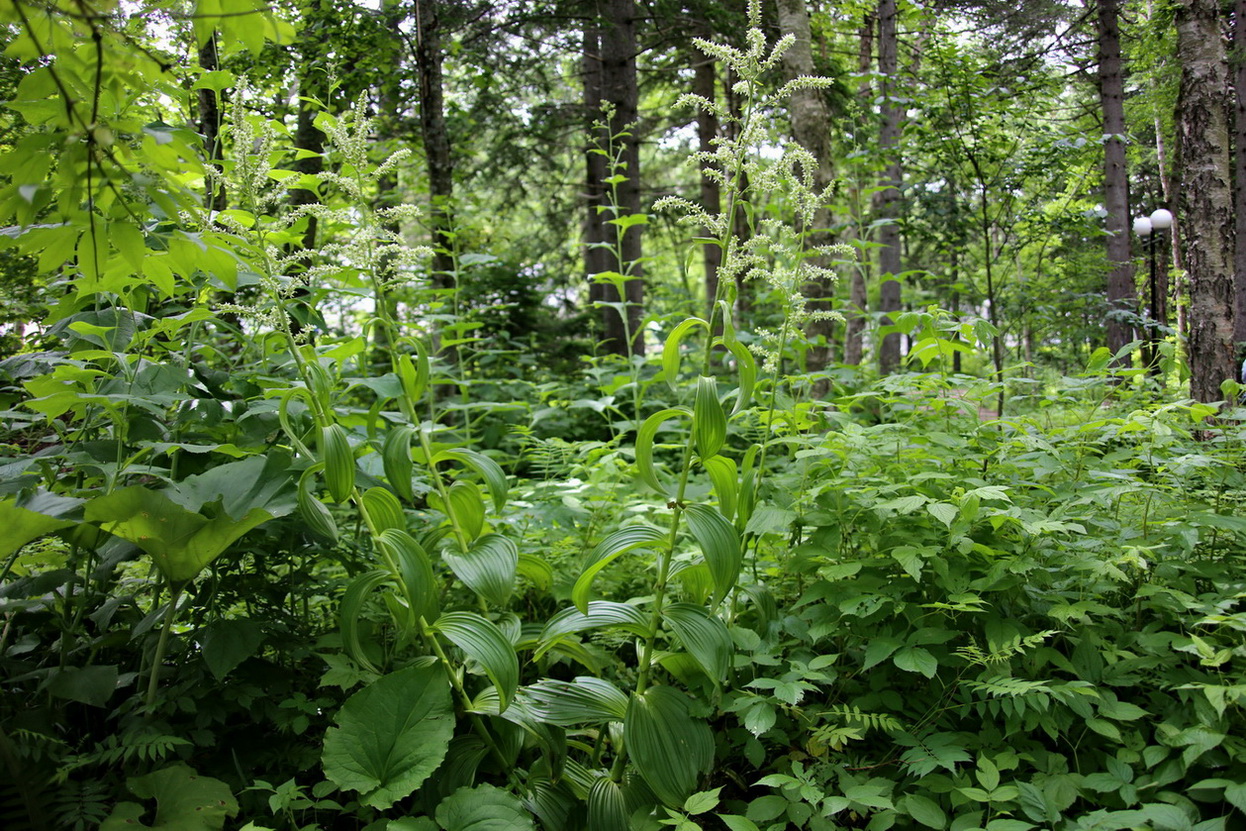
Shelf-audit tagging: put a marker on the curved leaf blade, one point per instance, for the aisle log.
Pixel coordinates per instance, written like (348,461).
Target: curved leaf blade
(482,641)
(705,637)
(709,422)
(725,477)
(670,747)
(644,444)
(489,568)
(606,552)
(483,808)
(720,543)
(415,570)
(670,350)
(489,471)
(585,700)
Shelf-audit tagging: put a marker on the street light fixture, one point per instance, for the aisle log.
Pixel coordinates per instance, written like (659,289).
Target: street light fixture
(1148,228)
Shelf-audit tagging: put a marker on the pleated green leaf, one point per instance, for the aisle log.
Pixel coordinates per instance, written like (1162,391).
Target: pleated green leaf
(709,422)
(419,586)
(705,637)
(482,641)
(607,810)
(314,513)
(351,614)
(391,735)
(723,474)
(720,543)
(466,508)
(489,568)
(536,570)
(746,369)
(483,808)
(413,371)
(384,510)
(644,444)
(489,470)
(669,746)
(396,459)
(586,700)
(598,614)
(670,350)
(339,462)
(606,552)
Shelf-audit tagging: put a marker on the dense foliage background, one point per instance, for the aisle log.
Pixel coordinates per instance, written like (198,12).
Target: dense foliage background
(398,439)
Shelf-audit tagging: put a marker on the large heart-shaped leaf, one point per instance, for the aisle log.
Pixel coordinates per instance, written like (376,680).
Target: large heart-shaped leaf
(185,801)
(391,735)
(670,747)
(21,525)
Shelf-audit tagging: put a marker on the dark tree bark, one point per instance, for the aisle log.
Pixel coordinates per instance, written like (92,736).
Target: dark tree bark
(811,127)
(888,199)
(1206,194)
(597,258)
(429,58)
(858,300)
(210,125)
(1122,295)
(1239,180)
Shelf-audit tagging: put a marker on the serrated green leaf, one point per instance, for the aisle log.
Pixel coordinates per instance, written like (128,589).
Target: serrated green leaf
(916,659)
(482,641)
(391,735)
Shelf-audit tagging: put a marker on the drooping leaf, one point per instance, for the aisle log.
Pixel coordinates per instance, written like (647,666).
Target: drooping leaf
(670,747)
(482,641)
(705,637)
(598,614)
(415,569)
(22,526)
(585,700)
(489,568)
(466,508)
(670,350)
(483,808)
(391,735)
(720,543)
(606,552)
(489,470)
(709,422)
(350,614)
(396,460)
(644,444)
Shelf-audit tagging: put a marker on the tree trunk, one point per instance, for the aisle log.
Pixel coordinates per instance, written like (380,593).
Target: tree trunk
(428,61)
(1122,295)
(596,256)
(811,127)
(1239,181)
(1206,194)
(888,199)
(210,126)
(858,299)
(704,84)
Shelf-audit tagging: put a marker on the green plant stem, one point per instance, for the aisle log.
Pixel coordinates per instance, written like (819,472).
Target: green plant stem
(162,645)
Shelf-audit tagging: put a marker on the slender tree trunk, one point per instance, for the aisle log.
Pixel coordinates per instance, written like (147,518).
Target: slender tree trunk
(811,127)
(1122,295)
(210,103)
(596,256)
(858,298)
(889,196)
(704,84)
(743,221)
(1239,181)
(620,90)
(429,58)
(1206,194)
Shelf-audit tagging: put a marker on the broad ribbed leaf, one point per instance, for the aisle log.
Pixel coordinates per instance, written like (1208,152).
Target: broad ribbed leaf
(488,568)
(599,613)
(719,543)
(419,586)
(670,351)
(606,552)
(351,613)
(483,808)
(396,459)
(391,735)
(314,513)
(495,478)
(536,570)
(607,810)
(746,367)
(21,526)
(384,510)
(670,747)
(709,422)
(586,700)
(644,444)
(482,641)
(706,638)
(466,508)
(723,474)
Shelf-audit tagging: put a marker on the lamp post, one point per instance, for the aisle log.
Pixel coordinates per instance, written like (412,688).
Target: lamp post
(1148,227)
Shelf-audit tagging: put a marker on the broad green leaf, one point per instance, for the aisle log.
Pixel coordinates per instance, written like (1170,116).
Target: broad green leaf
(383,510)
(92,685)
(415,569)
(607,810)
(185,801)
(916,659)
(350,614)
(746,368)
(606,552)
(924,810)
(396,460)
(315,514)
(670,747)
(483,808)
(706,638)
(465,508)
(723,473)
(945,512)
(701,802)
(227,643)
(489,470)
(482,641)
(735,822)
(22,526)
(489,568)
(599,614)
(391,735)
(585,700)
(644,444)
(670,350)
(720,544)
(709,422)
